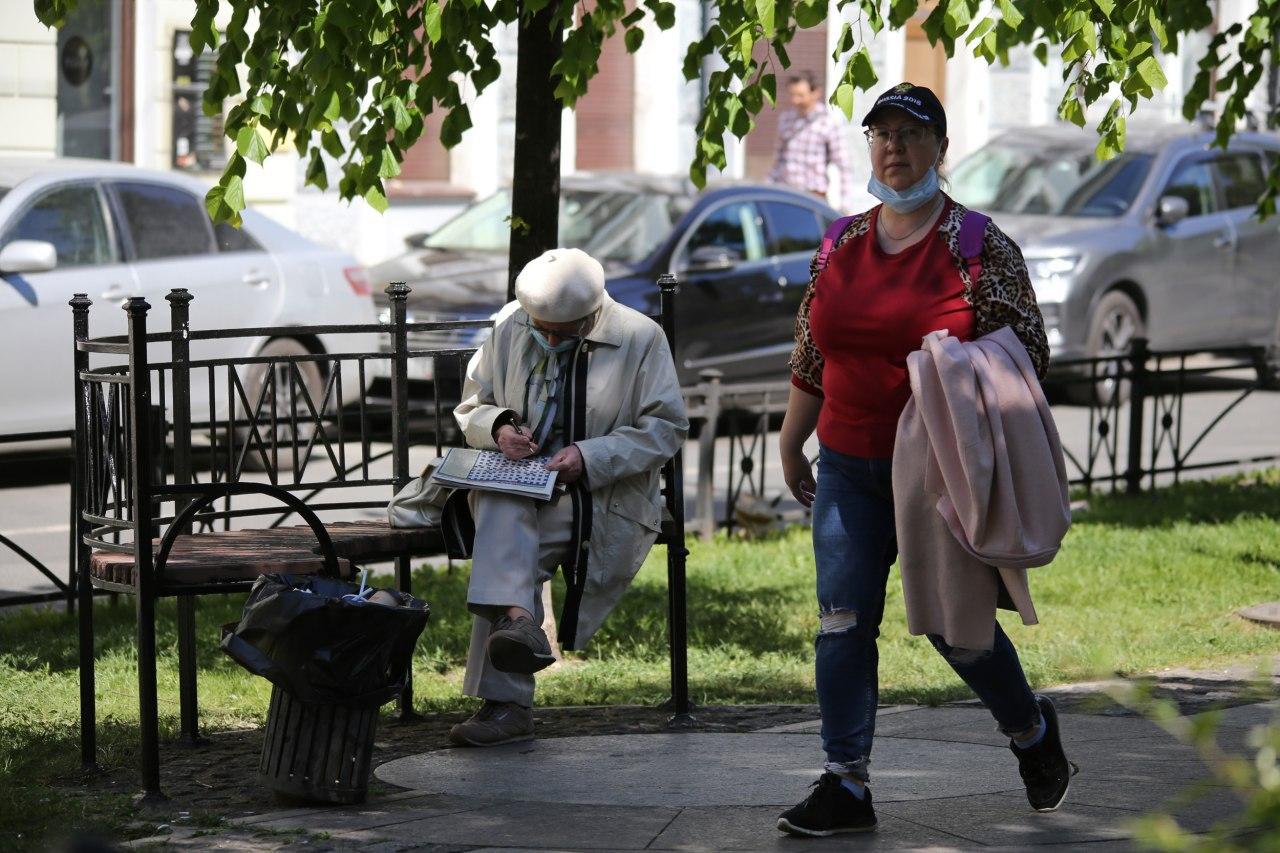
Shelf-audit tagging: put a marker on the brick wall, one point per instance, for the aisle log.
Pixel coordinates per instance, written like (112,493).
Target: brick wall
(606,116)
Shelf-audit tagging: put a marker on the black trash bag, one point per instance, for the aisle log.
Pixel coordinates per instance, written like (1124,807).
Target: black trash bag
(323,649)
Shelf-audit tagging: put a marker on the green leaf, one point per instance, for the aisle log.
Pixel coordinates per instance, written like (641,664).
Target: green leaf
(333,106)
(864,74)
(1073,111)
(1042,53)
(250,144)
(457,122)
(664,14)
(261,104)
(1158,27)
(317,174)
(1105,6)
(1089,35)
(376,199)
(332,143)
(233,195)
(769,85)
(401,119)
(388,166)
(633,38)
(1010,13)
(810,14)
(985,26)
(765,10)
(843,98)
(431,22)
(1138,50)
(1151,73)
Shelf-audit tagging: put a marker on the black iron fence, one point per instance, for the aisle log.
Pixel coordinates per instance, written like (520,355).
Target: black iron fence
(1129,425)
(64,588)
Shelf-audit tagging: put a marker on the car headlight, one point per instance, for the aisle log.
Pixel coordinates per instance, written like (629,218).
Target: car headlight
(1051,277)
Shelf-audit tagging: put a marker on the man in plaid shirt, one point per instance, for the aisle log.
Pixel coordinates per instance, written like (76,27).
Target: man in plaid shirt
(809,140)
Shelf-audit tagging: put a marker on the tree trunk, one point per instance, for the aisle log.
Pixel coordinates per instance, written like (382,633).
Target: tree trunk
(535,184)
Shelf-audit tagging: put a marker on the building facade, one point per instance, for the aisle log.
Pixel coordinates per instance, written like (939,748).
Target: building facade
(120,82)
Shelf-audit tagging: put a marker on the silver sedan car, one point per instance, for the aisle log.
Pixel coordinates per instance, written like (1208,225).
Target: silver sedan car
(1160,242)
(113,231)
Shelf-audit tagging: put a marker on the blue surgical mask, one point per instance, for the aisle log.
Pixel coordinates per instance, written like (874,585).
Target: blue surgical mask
(541,340)
(907,200)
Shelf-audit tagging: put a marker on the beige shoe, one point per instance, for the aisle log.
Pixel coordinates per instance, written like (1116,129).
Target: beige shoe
(493,724)
(518,645)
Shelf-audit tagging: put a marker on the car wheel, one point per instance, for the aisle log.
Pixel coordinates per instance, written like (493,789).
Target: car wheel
(1113,325)
(287,400)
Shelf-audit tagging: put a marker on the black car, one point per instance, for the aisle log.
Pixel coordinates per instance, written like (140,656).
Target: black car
(741,253)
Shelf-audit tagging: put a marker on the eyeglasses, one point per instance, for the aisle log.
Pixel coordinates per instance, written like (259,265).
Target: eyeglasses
(580,328)
(911,134)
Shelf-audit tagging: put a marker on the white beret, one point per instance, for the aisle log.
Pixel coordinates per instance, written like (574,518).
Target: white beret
(560,286)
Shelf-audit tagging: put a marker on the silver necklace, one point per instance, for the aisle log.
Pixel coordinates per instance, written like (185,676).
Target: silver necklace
(884,229)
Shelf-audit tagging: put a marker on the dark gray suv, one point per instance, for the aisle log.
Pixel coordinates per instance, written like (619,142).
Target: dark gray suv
(1161,241)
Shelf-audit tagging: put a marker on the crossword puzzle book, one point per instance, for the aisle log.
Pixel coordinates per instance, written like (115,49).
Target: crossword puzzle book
(489,471)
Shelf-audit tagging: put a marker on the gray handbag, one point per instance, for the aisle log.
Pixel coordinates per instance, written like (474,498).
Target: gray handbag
(421,502)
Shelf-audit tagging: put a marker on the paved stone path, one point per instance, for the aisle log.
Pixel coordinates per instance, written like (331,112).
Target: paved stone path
(943,780)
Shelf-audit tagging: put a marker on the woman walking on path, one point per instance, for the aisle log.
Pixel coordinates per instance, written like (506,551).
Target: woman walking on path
(894,274)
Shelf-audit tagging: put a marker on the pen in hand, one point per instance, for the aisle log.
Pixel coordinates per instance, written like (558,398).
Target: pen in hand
(521,445)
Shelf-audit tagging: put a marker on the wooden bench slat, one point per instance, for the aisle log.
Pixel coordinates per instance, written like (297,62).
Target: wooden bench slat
(236,555)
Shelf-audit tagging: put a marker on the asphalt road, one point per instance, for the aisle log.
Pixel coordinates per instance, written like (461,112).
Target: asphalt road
(34,495)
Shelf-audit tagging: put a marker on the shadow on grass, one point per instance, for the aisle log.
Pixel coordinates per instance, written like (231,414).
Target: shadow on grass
(1255,494)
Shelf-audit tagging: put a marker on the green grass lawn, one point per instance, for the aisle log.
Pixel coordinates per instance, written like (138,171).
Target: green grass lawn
(1140,584)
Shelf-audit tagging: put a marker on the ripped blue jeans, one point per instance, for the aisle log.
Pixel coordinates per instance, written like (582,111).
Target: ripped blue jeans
(854,544)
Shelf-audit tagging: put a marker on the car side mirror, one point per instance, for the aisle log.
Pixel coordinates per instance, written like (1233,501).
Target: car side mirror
(712,259)
(28,256)
(417,241)
(1171,210)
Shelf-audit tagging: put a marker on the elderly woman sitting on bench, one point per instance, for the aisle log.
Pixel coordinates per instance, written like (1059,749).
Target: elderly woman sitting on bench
(572,377)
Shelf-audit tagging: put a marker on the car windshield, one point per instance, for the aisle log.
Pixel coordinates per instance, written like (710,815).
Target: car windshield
(1108,189)
(611,225)
(1006,179)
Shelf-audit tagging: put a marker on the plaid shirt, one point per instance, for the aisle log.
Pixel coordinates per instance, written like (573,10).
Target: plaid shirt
(807,144)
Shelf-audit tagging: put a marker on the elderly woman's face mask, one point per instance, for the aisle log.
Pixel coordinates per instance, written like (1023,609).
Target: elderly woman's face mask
(566,335)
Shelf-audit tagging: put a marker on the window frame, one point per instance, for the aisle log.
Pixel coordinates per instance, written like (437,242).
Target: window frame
(818,220)
(112,189)
(1197,158)
(114,236)
(677,263)
(1222,156)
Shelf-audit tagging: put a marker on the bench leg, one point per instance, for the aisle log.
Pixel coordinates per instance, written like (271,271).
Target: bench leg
(404,583)
(88,703)
(187,695)
(148,709)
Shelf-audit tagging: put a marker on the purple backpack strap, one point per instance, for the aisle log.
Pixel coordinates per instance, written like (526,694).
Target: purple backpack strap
(834,230)
(972,229)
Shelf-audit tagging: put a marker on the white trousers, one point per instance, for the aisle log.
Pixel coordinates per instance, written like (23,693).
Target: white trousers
(518,546)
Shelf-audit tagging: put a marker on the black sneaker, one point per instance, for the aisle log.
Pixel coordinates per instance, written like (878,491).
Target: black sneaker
(831,808)
(1044,767)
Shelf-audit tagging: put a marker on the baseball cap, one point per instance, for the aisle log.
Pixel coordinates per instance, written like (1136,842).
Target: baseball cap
(918,101)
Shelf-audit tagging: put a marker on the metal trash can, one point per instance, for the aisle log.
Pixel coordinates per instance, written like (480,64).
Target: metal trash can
(318,753)
(333,656)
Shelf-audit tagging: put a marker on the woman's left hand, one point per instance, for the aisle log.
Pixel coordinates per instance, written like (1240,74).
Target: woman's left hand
(568,463)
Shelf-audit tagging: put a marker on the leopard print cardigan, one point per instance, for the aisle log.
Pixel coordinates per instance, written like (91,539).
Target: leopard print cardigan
(1003,297)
